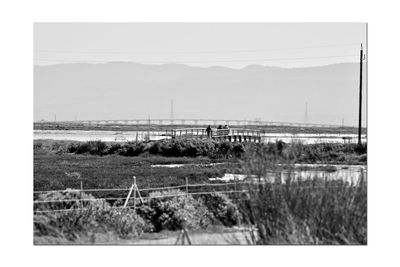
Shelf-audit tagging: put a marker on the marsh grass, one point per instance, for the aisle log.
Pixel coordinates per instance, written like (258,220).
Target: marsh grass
(314,211)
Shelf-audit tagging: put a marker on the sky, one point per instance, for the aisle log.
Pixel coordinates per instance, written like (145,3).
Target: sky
(233,45)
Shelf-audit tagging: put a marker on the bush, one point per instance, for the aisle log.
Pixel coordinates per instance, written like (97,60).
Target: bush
(96,216)
(222,208)
(175,212)
(132,149)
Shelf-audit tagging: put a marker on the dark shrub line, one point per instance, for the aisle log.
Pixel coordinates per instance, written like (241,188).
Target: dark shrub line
(294,152)
(166,148)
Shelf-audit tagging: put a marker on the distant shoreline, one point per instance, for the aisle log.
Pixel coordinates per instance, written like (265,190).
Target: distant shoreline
(153,127)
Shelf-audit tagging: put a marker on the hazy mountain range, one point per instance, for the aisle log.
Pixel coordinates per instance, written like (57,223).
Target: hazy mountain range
(118,90)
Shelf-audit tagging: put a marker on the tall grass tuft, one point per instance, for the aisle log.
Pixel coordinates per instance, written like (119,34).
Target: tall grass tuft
(314,211)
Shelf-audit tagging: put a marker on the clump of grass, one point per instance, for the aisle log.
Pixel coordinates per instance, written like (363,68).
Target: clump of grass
(303,211)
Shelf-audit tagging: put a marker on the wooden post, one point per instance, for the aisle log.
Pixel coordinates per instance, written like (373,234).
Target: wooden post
(134,193)
(80,195)
(235,179)
(187,187)
(129,195)
(360,97)
(183,234)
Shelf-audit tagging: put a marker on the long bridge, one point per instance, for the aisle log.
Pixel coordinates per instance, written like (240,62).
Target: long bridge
(200,122)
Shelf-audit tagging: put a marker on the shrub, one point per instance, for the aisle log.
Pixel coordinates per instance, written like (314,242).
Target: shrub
(114,149)
(167,212)
(238,150)
(95,216)
(224,149)
(363,158)
(37,146)
(222,208)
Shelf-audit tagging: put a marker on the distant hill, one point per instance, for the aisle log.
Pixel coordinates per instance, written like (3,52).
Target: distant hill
(118,90)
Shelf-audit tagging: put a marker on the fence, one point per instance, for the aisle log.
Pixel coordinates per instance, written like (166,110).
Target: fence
(134,193)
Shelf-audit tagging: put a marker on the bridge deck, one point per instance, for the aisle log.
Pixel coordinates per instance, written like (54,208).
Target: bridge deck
(231,135)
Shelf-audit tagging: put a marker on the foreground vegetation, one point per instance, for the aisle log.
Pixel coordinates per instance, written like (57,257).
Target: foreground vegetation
(85,220)
(307,212)
(295,212)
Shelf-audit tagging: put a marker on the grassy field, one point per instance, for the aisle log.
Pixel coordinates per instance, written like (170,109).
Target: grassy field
(310,212)
(114,171)
(52,161)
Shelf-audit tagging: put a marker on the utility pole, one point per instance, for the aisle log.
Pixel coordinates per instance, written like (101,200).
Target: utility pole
(171,115)
(148,128)
(306,114)
(360,99)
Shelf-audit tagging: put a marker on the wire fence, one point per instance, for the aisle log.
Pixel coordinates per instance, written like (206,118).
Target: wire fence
(238,188)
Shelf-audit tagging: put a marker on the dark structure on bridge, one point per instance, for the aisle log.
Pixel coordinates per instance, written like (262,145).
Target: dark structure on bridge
(231,135)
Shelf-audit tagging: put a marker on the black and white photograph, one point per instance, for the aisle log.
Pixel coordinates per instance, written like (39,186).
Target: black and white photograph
(200,134)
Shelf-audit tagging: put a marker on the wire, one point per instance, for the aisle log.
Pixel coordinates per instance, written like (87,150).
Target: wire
(141,189)
(197,193)
(190,52)
(149,197)
(200,61)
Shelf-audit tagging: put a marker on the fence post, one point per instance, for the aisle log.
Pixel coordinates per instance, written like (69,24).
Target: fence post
(129,195)
(134,193)
(237,200)
(80,194)
(187,187)
(235,179)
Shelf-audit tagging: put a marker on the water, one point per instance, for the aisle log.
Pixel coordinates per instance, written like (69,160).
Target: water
(111,136)
(106,136)
(348,173)
(312,138)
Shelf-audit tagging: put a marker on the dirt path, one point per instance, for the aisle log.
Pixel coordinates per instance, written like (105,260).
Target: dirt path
(231,238)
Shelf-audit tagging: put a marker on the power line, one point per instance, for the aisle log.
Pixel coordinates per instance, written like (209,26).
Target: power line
(191,52)
(189,61)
